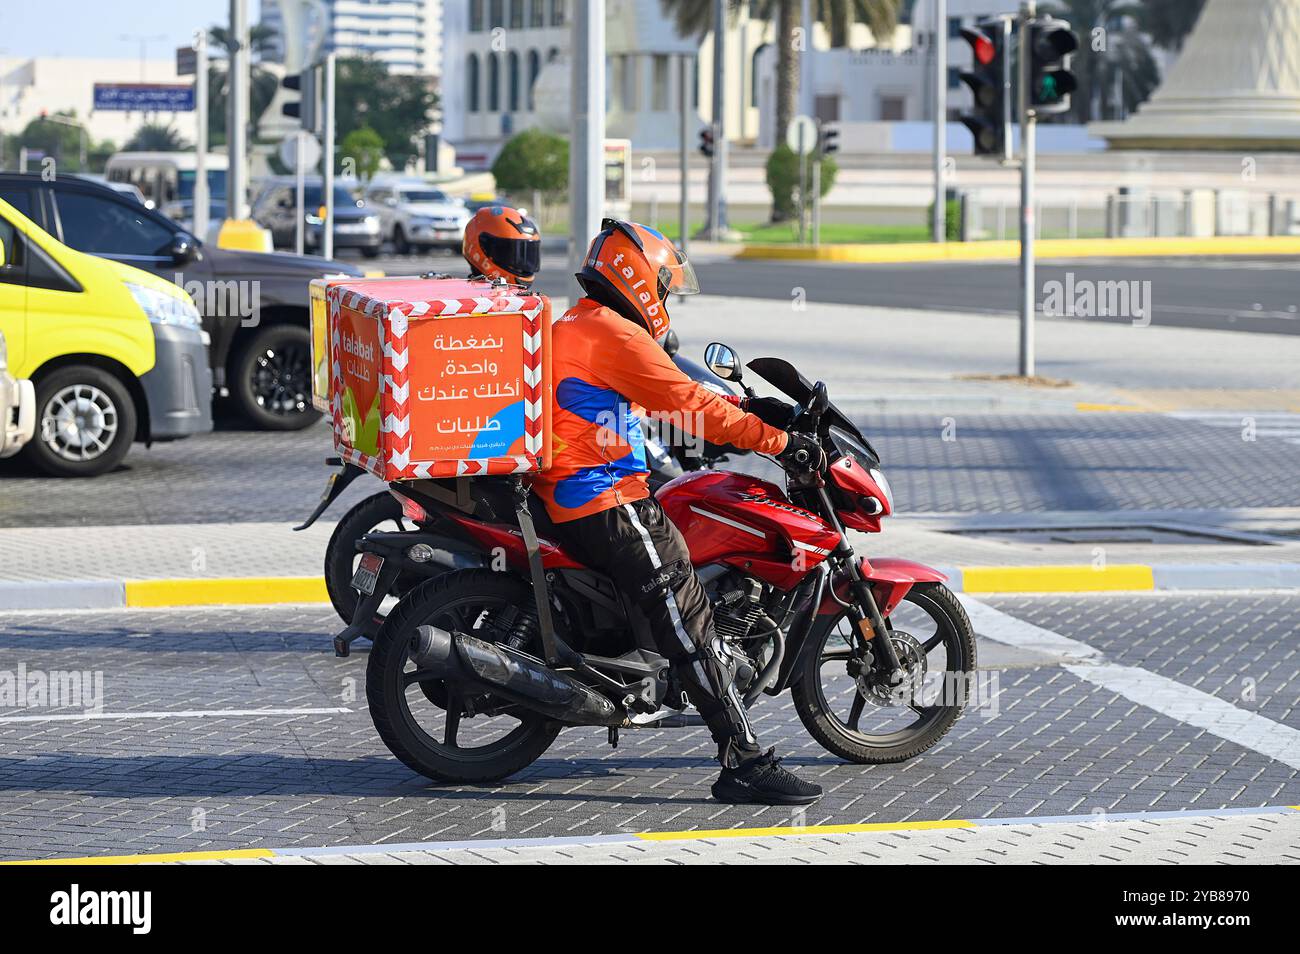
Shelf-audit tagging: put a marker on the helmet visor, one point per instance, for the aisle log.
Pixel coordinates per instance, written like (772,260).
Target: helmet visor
(522,257)
(678,279)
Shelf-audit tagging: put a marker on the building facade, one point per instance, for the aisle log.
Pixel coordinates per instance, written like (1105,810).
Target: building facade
(405,35)
(31,87)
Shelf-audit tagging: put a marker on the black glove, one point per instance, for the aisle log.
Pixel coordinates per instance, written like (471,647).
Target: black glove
(772,411)
(802,452)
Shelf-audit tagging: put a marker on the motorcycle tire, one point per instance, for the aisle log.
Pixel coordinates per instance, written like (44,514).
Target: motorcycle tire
(465,595)
(842,738)
(341,554)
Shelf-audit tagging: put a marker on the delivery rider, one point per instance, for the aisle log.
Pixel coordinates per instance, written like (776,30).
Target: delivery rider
(606,362)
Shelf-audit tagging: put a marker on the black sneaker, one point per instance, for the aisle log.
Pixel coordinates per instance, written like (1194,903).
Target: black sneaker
(763,782)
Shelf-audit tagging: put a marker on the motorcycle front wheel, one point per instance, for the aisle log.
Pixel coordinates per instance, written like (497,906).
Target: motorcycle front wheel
(435,727)
(860,721)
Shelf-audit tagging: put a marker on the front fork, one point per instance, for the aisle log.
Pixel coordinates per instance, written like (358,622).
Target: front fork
(863,609)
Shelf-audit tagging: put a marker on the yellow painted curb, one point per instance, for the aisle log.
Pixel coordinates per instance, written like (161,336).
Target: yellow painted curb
(1085,407)
(153,859)
(1044,248)
(1056,579)
(806,830)
(257,589)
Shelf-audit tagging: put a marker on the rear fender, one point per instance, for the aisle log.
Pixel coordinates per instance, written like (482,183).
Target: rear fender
(890,579)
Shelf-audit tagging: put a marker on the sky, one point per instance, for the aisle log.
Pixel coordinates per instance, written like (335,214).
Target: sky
(95,28)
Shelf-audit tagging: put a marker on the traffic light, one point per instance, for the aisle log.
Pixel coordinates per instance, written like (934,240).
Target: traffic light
(706,141)
(305,110)
(828,140)
(1051,46)
(988,80)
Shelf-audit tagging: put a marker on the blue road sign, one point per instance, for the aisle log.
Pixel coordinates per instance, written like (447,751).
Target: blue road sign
(145,97)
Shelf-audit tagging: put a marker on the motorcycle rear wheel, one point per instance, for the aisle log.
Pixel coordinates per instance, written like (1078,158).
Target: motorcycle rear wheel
(819,690)
(457,602)
(379,511)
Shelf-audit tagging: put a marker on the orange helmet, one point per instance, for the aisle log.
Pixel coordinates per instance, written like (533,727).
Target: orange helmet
(633,269)
(501,242)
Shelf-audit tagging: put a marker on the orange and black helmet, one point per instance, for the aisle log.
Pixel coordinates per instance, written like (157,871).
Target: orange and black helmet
(501,242)
(632,269)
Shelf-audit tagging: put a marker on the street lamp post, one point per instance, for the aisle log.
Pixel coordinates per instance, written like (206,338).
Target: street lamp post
(587,154)
(237,114)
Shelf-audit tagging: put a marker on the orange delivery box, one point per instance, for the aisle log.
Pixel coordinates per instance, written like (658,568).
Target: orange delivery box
(438,377)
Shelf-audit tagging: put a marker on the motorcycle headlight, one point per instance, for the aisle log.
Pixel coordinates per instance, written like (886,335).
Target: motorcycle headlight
(883,483)
(164,309)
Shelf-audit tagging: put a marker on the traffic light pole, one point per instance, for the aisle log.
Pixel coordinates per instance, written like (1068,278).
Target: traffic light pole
(327,172)
(199,221)
(684,93)
(939,222)
(1028,144)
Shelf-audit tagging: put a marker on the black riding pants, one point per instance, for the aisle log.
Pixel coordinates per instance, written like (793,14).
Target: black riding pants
(645,554)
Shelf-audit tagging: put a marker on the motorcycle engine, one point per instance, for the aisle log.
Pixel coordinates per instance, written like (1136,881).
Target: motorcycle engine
(737,610)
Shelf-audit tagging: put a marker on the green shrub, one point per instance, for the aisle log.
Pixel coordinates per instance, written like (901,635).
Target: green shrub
(783,176)
(533,160)
(951,219)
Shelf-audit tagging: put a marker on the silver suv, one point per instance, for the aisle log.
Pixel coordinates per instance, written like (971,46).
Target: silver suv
(415,216)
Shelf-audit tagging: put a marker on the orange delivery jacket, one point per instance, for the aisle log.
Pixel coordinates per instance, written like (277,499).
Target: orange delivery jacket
(605,369)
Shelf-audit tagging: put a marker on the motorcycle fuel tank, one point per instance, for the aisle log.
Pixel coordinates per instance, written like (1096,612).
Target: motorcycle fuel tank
(746,522)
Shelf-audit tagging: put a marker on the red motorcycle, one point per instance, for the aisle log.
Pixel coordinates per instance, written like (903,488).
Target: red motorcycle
(475,671)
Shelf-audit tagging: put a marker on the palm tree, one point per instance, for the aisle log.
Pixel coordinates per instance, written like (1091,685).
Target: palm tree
(1112,52)
(155,137)
(262,83)
(695,18)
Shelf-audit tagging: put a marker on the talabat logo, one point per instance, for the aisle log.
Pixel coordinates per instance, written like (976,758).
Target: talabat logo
(358,348)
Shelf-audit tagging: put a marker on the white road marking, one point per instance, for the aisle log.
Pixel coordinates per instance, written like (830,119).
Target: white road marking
(1155,692)
(174,714)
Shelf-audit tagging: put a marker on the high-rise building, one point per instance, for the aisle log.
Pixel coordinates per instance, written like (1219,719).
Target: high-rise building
(405,35)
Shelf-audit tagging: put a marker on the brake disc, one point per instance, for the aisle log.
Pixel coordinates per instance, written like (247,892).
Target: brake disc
(912,660)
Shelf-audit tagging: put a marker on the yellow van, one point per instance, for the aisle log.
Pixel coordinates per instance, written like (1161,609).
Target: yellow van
(116,354)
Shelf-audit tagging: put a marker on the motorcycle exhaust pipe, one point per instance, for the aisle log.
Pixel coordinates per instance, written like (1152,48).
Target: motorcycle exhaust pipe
(511,675)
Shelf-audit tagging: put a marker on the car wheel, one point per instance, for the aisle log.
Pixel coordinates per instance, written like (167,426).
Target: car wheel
(370,251)
(271,379)
(85,425)
(400,243)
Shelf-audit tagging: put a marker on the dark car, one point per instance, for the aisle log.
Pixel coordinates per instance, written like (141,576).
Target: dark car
(355,224)
(254,305)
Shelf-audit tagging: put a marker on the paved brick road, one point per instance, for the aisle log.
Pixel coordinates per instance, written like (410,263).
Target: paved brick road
(960,462)
(1057,745)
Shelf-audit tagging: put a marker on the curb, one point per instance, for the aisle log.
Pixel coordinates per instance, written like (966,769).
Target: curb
(1009,251)
(272,590)
(628,838)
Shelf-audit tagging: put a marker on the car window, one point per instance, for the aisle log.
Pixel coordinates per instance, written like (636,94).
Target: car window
(107,226)
(20,197)
(424,195)
(28,264)
(14,270)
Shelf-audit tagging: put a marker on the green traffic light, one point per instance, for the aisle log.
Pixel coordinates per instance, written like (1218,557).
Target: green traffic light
(1047,89)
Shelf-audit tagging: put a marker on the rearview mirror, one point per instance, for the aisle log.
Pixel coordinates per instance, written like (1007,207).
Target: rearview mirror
(182,248)
(723,361)
(671,344)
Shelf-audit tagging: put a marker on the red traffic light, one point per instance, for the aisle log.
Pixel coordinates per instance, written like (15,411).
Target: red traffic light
(981,45)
